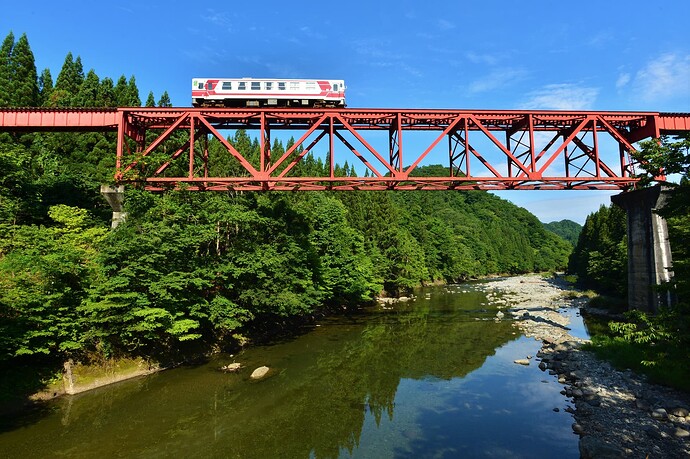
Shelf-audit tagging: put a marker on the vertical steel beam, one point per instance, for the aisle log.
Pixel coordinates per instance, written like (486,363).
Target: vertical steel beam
(192,145)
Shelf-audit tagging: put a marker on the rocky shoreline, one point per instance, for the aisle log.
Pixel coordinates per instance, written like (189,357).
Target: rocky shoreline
(617,413)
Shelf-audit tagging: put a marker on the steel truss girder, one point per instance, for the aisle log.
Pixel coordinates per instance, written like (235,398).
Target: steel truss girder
(526,164)
(540,150)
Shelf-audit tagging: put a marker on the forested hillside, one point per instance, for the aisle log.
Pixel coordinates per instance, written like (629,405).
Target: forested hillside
(567,229)
(197,270)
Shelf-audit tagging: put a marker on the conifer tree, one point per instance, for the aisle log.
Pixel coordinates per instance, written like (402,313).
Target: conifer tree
(45,87)
(164,100)
(6,70)
(133,93)
(106,93)
(150,100)
(23,75)
(68,82)
(121,92)
(88,91)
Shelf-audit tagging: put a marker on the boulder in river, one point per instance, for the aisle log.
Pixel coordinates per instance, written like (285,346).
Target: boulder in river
(260,372)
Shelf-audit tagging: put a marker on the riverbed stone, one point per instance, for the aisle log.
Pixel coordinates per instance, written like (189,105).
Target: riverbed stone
(681,433)
(260,372)
(614,407)
(594,448)
(231,367)
(522,361)
(660,413)
(680,412)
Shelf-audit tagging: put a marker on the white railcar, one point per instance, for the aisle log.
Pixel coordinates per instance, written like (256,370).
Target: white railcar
(256,92)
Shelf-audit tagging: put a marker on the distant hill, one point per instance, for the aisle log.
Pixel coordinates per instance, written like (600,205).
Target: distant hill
(567,229)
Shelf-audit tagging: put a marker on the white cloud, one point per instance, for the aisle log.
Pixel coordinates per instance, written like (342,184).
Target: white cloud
(487,59)
(666,76)
(444,24)
(561,97)
(623,79)
(495,80)
(219,18)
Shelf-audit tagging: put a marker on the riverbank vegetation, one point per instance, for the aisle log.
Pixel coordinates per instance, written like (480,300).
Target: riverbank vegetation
(188,273)
(654,344)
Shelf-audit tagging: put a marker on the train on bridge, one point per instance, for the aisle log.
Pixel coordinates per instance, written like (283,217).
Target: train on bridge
(256,92)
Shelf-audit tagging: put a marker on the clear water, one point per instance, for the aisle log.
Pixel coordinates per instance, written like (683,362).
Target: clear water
(433,377)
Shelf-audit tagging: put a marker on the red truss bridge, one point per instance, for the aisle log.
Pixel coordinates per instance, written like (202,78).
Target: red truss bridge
(165,148)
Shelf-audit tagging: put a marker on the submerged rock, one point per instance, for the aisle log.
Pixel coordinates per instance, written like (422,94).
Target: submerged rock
(231,367)
(260,372)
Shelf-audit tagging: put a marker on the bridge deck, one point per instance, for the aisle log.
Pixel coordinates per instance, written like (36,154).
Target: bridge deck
(481,149)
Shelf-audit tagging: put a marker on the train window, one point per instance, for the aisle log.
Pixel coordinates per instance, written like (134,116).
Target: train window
(281,86)
(242,86)
(335,86)
(256,86)
(209,85)
(201,85)
(269,86)
(227,85)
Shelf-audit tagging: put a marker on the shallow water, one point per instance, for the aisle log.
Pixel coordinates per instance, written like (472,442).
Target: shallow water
(432,377)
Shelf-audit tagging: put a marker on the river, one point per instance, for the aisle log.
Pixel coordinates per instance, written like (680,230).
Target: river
(431,377)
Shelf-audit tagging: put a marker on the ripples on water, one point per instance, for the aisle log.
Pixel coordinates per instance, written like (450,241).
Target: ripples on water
(432,377)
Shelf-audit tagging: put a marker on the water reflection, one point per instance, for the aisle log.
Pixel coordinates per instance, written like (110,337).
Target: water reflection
(431,377)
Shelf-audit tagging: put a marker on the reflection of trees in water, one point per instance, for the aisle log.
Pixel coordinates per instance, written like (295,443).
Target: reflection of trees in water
(315,404)
(322,405)
(326,408)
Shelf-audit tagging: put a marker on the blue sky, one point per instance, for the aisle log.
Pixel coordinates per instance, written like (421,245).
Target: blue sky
(593,55)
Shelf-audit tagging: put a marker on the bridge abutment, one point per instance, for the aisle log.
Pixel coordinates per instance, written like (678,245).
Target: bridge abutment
(115,195)
(649,249)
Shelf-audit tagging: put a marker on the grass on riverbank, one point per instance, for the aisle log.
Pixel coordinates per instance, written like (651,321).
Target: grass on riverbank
(649,345)
(662,364)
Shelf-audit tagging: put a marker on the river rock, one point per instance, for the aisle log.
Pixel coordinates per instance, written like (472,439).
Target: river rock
(660,413)
(260,372)
(680,412)
(521,361)
(231,367)
(593,448)
(681,433)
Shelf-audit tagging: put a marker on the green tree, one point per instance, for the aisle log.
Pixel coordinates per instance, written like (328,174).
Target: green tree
(6,70)
(89,91)
(164,101)
(106,93)
(150,100)
(23,75)
(68,82)
(45,273)
(600,256)
(45,87)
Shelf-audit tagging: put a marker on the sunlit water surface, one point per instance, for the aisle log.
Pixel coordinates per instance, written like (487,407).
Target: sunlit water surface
(432,377)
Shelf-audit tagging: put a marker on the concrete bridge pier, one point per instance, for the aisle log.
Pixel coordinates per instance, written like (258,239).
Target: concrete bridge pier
(115,195)
(649,250)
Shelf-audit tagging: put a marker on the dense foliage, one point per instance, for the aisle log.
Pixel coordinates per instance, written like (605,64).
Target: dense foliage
(188,271)
(567,229)
(600,258)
